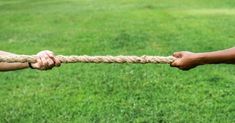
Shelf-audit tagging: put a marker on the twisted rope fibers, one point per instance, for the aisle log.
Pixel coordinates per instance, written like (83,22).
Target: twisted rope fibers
(92,59)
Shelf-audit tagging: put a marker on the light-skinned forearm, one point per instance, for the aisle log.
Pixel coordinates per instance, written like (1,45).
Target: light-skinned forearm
(11,66)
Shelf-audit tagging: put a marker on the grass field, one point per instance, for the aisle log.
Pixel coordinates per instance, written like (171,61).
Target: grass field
(117,92)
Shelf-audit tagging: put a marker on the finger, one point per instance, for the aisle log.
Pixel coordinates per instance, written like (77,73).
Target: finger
(57,62)
(50,63)
(172,64)
(176,63)
(38,64)
(49,57)
(177,54)
(50,54)
(44,63)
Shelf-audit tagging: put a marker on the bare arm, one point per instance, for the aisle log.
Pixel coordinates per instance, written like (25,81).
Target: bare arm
(11,66)
(187,60)
(224,56)
(46,60)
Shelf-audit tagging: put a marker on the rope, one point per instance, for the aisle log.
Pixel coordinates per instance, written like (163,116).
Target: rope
(92,59)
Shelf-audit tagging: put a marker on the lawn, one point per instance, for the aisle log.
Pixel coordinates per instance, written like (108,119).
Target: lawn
(117,92)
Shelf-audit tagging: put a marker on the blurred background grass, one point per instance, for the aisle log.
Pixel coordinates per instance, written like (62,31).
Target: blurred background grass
(117,92)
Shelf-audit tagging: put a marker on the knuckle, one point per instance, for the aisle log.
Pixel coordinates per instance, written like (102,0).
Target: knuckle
(51,64)
(49,52)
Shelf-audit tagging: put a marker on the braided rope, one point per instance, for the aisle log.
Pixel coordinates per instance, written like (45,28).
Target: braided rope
(92,59)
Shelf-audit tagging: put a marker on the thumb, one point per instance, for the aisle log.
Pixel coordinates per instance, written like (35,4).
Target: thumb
(176,63)
(38,64)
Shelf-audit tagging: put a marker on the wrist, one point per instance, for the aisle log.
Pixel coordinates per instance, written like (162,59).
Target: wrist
(200,58)
(30,66)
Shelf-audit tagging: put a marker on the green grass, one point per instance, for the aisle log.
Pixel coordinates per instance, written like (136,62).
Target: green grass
(117,92)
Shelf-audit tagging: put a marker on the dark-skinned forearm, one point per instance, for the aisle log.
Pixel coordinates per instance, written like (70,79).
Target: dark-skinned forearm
(218,57)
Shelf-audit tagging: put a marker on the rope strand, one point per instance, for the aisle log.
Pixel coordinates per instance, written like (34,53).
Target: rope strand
(92,59)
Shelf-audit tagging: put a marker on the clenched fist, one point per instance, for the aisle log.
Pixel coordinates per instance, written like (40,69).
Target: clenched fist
(45,60)
(186,60)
